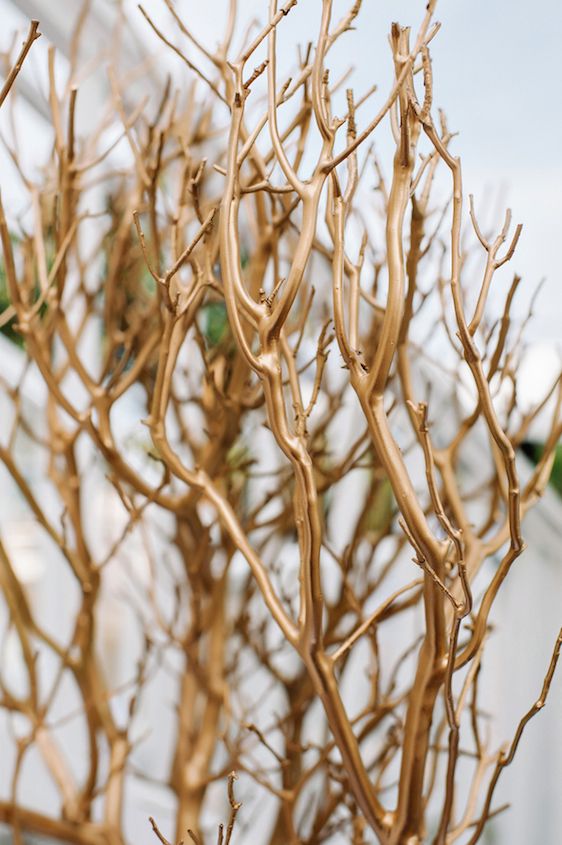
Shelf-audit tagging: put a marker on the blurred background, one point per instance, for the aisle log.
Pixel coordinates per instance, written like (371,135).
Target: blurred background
(497,76)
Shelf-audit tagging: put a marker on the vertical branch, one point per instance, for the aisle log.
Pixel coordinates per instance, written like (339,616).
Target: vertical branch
(32,36)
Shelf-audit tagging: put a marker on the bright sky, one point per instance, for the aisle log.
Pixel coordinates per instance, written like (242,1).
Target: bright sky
(497,76)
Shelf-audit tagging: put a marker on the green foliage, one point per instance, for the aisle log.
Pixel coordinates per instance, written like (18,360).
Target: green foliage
(215,323)
(380,510)
(8,329)
(534,451)
(556,476)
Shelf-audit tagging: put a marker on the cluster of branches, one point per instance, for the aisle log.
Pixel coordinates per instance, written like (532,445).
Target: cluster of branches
(273,327)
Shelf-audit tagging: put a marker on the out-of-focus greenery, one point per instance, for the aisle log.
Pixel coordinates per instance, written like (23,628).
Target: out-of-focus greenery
(215,323)
(8,329)
(556,477)
(534,451)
